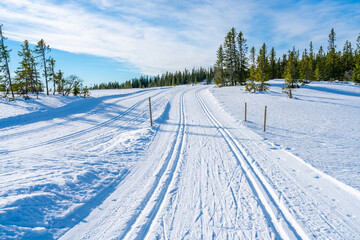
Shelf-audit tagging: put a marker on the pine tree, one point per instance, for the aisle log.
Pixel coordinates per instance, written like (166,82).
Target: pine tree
(242,59)
(304,67)
(347,60)
(331,63)
(311,63)
(40,50)
(4,67)
(230,56)
(261,73)
(290,82)
(273,66)
(51,67)
(250,83)
(219,67)
(356,71)
(320,65)
(24,73)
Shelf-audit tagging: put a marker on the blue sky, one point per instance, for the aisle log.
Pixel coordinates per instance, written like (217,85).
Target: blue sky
(112,40)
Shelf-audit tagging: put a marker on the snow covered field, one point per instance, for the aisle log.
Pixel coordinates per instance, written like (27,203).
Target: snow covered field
(74,168)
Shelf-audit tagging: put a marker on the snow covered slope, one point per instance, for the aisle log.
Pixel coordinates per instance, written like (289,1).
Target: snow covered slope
(94,169)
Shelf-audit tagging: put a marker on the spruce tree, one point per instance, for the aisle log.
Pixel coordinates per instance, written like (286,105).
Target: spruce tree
(250,83)
(4,67)
(40,50)
(230,56)
(290,81)
(320,65)
(261,73)
(331,63)
(51,67)
(219,67)
(347,60)
(242,59)
(273,65)
(311,63)
(24,73)
(356,71)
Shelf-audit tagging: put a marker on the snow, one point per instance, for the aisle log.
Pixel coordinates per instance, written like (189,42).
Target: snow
(75,168)
(318,125)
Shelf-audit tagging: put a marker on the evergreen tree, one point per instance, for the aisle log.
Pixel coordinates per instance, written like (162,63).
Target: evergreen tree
(304,67)
(311,63)
(51,67)
(40,50)
(290,82)
(24,73)
(242,59)
(347,60)
(356,71)
(219,67)
(4,67)
(331,63)
(261,73)
(273,66)
(250,83)
(320,65)
(230,56)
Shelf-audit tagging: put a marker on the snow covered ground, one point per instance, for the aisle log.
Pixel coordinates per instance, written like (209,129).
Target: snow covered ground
(320,125)
(74,168)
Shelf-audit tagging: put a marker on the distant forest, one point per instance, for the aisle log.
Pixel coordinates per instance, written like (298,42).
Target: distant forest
(167,79)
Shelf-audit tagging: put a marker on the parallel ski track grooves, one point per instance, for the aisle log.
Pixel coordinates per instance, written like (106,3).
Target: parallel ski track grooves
(81,132)
(175,153)
(269,202)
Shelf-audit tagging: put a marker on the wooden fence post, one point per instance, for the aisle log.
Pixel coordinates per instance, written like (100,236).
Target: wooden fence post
(245,112)
(151,123)
(265,119)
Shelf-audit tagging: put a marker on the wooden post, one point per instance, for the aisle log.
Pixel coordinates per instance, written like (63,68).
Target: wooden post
(151,124)
(245,112)
(265,119)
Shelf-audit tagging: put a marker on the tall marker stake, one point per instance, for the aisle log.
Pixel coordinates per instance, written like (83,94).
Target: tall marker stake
(265,119)
(150,112)
(245,112)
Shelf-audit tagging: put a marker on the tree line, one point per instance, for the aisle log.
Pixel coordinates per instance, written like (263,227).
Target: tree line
(234,66)
(27,77)
(167,79)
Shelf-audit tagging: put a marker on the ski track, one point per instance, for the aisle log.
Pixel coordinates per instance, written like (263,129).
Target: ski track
(286,226)
(156,195)
(209,179)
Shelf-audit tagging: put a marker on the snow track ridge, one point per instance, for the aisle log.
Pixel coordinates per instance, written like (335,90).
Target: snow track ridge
(139,225)
(282,221)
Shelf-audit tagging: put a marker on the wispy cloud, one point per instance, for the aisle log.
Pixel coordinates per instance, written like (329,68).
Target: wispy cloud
(159,35)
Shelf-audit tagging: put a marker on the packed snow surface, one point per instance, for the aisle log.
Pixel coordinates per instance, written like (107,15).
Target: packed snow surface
(74,168)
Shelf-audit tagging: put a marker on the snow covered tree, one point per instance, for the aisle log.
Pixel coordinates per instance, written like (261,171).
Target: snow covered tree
(242,59)
(40,50)
(4,67)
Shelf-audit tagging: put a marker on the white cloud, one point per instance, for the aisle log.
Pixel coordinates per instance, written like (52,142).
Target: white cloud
(157,36)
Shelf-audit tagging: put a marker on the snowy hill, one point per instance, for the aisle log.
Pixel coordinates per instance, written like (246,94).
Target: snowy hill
(75,168)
